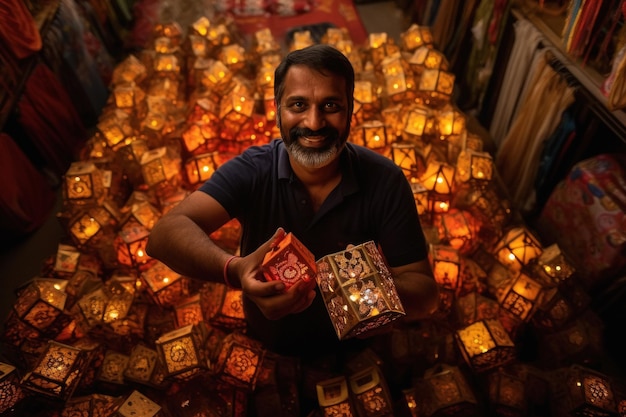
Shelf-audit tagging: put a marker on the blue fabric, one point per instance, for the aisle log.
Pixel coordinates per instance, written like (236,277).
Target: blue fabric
(373,202)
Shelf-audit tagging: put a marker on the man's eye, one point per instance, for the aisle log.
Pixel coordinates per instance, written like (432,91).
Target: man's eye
(331,107)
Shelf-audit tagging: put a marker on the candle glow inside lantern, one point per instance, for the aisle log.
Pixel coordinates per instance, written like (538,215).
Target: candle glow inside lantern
(457,228)
(58,371)
(40,303)
(240,361)
(115,126)
(372,134)
(474,166)
(223,306)
(517,248)
(130,245)
(406,155)
(417,121)
(165,286)
(218,77)
(200,168)
(398,77)
(555,265)
(183,352)
(290,261)
(189,311)
(84,184)
(485,345)
(358,290)
(10,391)
(159,165)
(435,86)
(521,297)
(333,397)
(416,36)
(587,392)
(445,262)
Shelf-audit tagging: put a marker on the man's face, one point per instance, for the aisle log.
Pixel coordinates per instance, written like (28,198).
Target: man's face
(313,116)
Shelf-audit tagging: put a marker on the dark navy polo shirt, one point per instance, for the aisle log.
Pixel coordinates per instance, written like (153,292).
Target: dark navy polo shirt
(372,202)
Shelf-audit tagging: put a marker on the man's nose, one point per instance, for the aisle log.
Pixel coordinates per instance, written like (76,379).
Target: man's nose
(315,119)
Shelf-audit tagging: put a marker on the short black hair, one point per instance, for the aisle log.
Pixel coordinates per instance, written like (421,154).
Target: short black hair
(320,57)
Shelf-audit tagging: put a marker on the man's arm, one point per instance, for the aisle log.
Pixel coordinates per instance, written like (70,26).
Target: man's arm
(417,289)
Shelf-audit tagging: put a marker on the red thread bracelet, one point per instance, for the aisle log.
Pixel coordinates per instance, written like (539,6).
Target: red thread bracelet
(226,280)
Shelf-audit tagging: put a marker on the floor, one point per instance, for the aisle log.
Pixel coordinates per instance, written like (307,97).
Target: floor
(23,261)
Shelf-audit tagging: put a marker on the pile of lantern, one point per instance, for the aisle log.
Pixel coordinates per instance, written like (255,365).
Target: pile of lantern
(105,330)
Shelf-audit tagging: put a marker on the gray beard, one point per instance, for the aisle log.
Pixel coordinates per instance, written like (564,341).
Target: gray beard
(313,158)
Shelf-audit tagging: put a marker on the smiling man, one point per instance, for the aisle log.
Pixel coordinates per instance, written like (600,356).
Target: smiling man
(312,182)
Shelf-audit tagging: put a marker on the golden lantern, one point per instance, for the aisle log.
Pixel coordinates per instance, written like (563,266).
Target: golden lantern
(416,36)
(379,46)
(165,286)
(366,94)
(141,213)
(189,311)
(517,248)
(265,73)
(171,30)
(240,361)
(234,56)
(486,204)
(420,195)
(444,390)
(57,371)
(406,155)
(183,351)
(358,290)
(585,391)
(112,369)
(236,110)
(371,393)
(201,26)
(435,87)
(10,391)
(84,184)
(130,246)
(485,345)
(224,306)
(129,70)
(474,166)
(217,78)
(198,45)
(445,262)
(457,228)
(265,43)
(145,367)
(392,117)
(474,307)
(416,122)
(41,302)
(159,165)
(521,297)
(372,134)
(137,404)
(91,405)
(398,77)
(300,40)
(438,179)
(450,121)
(87,227)
(201,136)
(555,265)
(200,168)
(427,58)
(127,95)
(334,398)
(351,51)
(166,63)
(269,104)
(334,35)
(507,394)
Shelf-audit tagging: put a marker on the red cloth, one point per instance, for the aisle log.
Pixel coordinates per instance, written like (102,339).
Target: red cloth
(18,29)
(25,197)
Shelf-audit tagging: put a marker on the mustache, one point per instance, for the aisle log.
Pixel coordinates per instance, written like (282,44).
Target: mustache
(303,131)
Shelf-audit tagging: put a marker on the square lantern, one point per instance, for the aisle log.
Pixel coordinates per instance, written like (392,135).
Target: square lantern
(372,134)
(201,136)
(584,391)
(301,39)
(130,246)
(10,391)
(111,371)
(137,404)
(201,26)
(200,168)
(485,345)
(474,166)
(445,391)
(439,178)
(398,80)
(445,262)
(41,304)
(555,265)
(265,43)
(115,126)
(290,261)
(521,297)
(237,106)
(417,121)
(128,70)
(416,36)
(189,311)
(92,405)
(380,45)
(406,155)
(165,286)
(183,351)
(420,195)
(142,213)
(507,394)
(240,361)
(517,248)
(217,78)
(435,86)
(90,226)
(58,371)
(371,393)
(334,399)
(224,306)
(234,56)
(84,184)
(458,229)
(358,290)
(450,122)
(145,367)
(474,307)
(159,165)
(428,58)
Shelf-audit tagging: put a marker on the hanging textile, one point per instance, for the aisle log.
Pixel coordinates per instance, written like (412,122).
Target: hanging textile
(18,29)
(521,60)
(445,23)
(518,157)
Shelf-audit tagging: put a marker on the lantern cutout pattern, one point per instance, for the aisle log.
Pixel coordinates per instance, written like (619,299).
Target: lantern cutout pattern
(521,297)
(583,391)
(517,248)
(165,286)
(84,184)
(183,352)
(290,261)
(445,262)
(137,404)
(145,367)
(485,345)
(474,166)
(57,372)
(334,399)
(239,361)
(41,303)
(130,245)
(371,394)
(113,366)
(358,290)
(444,390)
(10,391)
(223,306)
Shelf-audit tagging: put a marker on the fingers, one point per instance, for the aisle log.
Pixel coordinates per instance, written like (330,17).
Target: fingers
(277,305)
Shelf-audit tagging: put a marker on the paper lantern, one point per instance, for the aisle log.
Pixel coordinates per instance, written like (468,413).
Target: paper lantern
(183,351)
(555,265)
(445,262)
(438,178)
(507,394)
(371,393)
(426,57)
(159,165)
(517,248)
(145,367)
(475,307)
(474,166)
(113,367)
(358,290)
(41,303)
(240,361)
(334,399)
(445,391)
(435,87)
(115,126)
(140,213)
(217,77)
(399,82)
(224,306)
(521,297)
(265,43)
(301,39)
(234,56)
(200,168)
(130,246)
(57,371)
(451,121)
(189,311)
(93,405)
(379,46)
(84,184)
(416,36)
(583,391)
(290,261)
(485,345)
(129,69)
(406,155)
(10,391)
(165,286)
(137,404)
(417,122)
(372,134)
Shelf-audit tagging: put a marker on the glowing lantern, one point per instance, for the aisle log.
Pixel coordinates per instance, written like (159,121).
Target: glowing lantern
(240,361)
(474,166)
(234,56)
(445,262)
(415,36)
(406,155)
(41,302)
(84,184)
(166,287)
(371,394)
(130,246)
(183,351)
(521,297)
(201,167)
(485,345)
(159,165)
(334,398)
(10,391)
(372,134)
(435,87)
(301,39)
(517,248)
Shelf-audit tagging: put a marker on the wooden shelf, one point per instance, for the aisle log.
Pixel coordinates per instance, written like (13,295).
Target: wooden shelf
(589,79)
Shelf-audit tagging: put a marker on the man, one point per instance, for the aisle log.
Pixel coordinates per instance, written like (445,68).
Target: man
(327,192)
